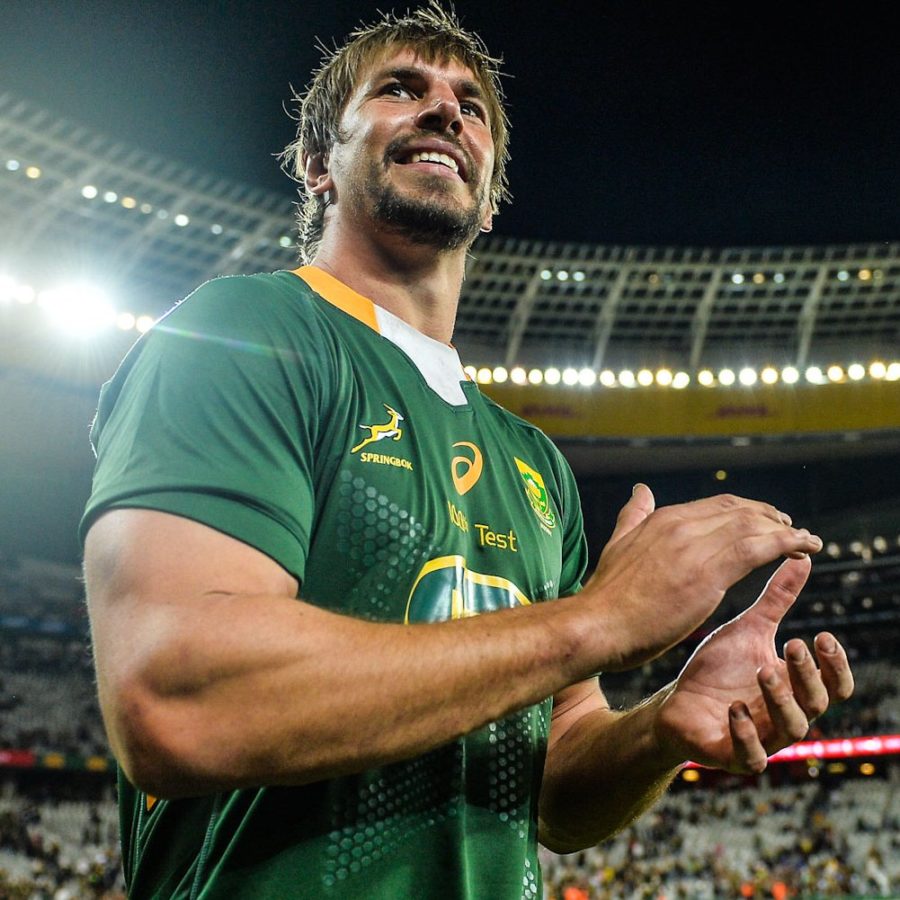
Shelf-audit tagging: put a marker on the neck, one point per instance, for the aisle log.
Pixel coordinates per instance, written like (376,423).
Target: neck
(415,283)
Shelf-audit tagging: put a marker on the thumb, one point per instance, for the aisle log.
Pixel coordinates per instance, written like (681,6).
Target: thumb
(781,590)
(641,504)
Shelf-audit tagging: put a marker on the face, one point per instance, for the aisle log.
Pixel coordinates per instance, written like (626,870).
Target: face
(417,153)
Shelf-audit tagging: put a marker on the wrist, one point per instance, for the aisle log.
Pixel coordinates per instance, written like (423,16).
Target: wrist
(662,748)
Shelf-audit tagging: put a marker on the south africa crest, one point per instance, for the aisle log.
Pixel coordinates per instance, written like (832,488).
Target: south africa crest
(536,492)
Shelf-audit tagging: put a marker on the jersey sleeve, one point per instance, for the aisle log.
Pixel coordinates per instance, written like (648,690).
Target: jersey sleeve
(214,415)
(574,549)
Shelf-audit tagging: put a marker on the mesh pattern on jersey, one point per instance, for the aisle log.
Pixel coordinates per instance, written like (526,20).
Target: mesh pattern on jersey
(388,809)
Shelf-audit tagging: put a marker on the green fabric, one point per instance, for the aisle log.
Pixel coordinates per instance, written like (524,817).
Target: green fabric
(245,409)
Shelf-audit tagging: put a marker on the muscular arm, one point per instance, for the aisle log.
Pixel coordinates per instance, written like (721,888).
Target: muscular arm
(604,768)
(212,675)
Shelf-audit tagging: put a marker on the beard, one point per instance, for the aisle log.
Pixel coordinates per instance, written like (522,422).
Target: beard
(432,219)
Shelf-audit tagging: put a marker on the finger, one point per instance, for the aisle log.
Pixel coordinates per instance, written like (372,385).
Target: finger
(638,507)
(728,503)
(782,590)
(749,753)
(806,680)
(835,669)
(738,523)
(747,553)
(789,722)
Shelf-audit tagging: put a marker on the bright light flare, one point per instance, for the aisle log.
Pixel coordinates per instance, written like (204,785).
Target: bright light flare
(79,309)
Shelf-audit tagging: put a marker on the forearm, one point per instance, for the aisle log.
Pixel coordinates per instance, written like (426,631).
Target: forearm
(227,691)
(601,774)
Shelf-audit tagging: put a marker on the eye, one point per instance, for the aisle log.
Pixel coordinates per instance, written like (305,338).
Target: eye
(396,89)
(470,108)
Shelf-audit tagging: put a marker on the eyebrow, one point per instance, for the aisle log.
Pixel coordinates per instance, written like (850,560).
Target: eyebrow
(466,86)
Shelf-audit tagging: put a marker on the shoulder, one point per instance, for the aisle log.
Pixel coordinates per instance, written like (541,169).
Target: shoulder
(245,301)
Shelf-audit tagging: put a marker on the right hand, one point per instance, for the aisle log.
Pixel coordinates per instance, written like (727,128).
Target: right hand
(664,571)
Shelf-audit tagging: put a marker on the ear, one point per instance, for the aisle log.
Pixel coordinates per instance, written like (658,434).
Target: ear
(316,176)
(487,224)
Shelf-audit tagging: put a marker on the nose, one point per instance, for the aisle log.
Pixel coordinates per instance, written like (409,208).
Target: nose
(440,112)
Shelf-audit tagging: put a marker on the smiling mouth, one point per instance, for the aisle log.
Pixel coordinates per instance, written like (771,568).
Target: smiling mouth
(431,156)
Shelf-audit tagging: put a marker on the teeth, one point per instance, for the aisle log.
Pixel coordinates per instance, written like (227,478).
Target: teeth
(431,156)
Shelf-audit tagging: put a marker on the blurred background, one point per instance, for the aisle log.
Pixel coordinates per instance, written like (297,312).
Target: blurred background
(696,286)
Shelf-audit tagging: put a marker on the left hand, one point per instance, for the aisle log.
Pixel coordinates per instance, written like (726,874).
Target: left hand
(736,702)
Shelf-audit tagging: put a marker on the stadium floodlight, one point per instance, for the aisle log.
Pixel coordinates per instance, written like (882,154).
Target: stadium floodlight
(546,274)
(790,375)
(552,376)
(89,191)
(759,278)
(143,324)
(835,373)
(856,371)
(33,172)
(500,375)
(737,278)
(146,208)
(747,376)
(129,202)
(645,378)
(814,375)
(562,275)
(285,240)
(778,278)
(110,196)
(893,372)
(706,378)
(627,379)
(681,380)
(664,377)
(878,369)
(726,377)
(518,375)
(484,375)
(570,377)
(471,371)
(536,376)
(216,228)
(769,375)
(608,378)
(181,220)
(125,321)
(12,165)
(578,276)
(843,275)
(865,275)
(79,309)
(587,377)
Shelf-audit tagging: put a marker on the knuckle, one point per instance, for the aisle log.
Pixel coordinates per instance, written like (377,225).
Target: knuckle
(798,730)
(728,501)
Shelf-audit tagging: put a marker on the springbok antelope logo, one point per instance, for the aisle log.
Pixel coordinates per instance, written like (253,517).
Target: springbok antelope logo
(391,429)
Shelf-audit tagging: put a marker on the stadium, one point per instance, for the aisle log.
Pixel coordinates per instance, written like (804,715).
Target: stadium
(765,370)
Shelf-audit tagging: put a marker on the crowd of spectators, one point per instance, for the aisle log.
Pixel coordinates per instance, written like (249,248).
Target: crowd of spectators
(53,849)
(751,842)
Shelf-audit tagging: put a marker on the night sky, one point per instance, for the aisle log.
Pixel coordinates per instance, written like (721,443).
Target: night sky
(636,122)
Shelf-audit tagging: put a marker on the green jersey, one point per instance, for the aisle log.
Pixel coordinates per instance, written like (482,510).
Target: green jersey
(295,415)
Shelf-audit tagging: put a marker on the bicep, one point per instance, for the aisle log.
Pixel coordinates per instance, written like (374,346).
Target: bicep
(143,569)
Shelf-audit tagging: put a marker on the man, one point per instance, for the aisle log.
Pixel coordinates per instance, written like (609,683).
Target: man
(318,560)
